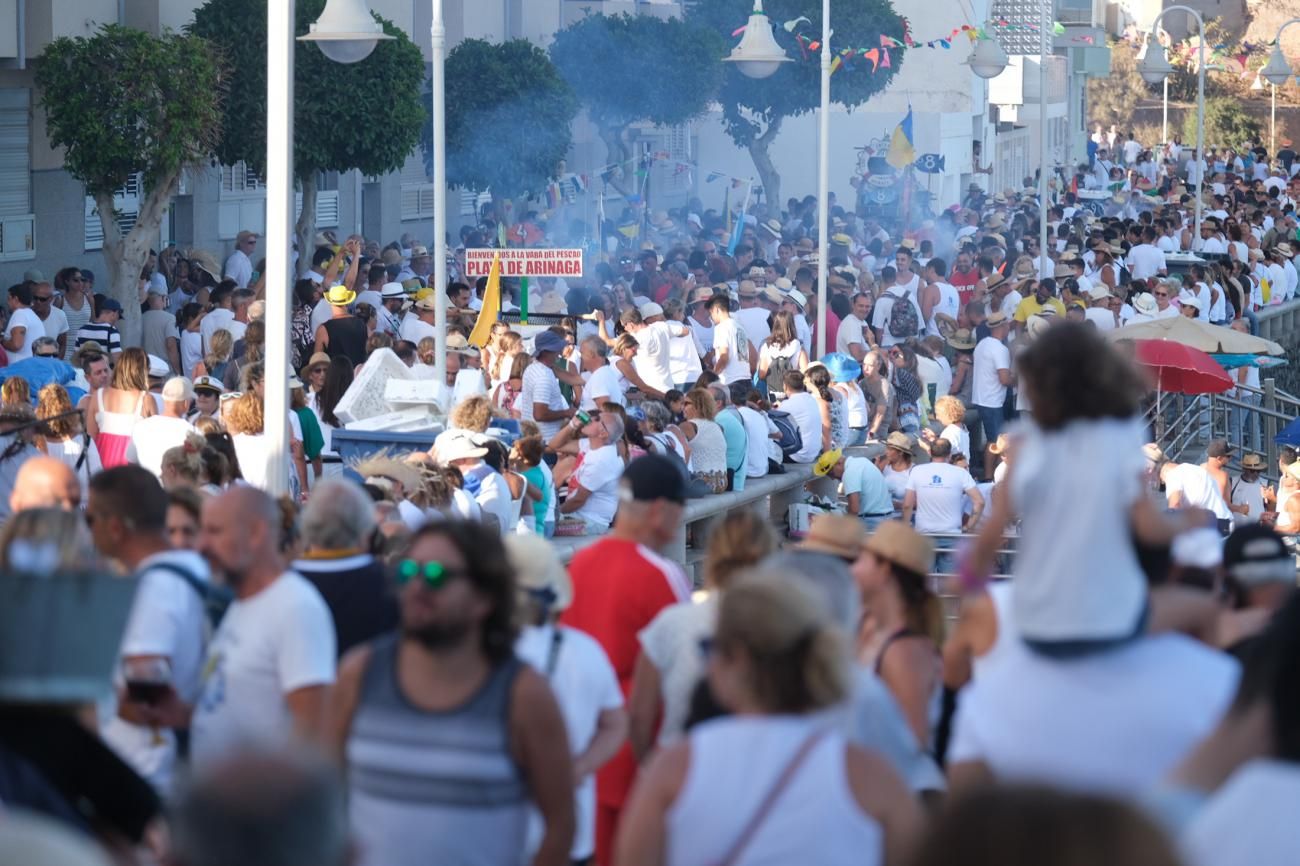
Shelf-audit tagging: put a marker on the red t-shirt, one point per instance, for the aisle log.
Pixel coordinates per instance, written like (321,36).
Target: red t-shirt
(964,284)
(618,588)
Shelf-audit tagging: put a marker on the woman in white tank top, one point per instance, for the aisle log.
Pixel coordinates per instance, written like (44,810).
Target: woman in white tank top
(749,788)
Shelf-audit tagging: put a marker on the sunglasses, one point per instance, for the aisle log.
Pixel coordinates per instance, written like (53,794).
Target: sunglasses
(42,299)
(1162,294)
(434,574)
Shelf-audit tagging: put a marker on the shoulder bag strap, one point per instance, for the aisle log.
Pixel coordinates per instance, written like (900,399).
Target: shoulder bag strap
(769,801)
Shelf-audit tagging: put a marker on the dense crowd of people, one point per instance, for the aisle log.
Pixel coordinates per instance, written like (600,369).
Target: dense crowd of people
(394,661)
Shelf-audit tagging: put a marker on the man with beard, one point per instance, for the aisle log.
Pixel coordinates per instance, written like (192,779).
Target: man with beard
(447,736)
(271,662)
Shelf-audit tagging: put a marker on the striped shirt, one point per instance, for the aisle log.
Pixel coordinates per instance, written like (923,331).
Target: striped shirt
(106,335)
(432,787)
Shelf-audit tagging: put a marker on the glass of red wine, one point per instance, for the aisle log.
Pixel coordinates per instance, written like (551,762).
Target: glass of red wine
(148,680)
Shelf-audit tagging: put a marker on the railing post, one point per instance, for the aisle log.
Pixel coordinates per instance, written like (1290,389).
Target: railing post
(1270,421)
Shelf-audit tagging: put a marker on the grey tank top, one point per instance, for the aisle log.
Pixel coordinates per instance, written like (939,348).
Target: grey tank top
(434,787)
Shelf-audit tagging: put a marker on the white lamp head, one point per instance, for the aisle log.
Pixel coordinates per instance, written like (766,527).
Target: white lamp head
(1277,70)
(346,31)
(987,59)
(1258,83)
(1153,66)
(758,55)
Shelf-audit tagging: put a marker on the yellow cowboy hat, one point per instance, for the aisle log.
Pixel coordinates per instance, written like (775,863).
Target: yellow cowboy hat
(340,296)
(826,462)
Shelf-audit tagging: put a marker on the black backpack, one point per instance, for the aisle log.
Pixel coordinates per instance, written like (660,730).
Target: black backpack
(791,440)
(776,370)
(903,320)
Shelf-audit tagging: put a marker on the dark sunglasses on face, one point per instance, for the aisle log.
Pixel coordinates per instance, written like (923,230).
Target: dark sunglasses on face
(42,299)
(434,574)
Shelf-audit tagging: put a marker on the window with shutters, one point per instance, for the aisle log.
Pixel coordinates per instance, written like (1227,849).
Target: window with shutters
(240,181)
(126,208)
(17,223)
(416,188)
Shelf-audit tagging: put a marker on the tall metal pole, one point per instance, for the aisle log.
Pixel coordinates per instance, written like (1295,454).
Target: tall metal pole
(1200,125)
(1272,119)
(824,182)
(439,56)
(1045,35)
(279,234)
(1164,119)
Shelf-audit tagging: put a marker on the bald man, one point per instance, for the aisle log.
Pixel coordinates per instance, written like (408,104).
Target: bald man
(45,482)
(272,661)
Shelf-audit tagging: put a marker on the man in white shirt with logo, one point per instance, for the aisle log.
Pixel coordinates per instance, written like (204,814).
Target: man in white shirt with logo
(731,349)
(127,513)
(936,494)
(272,661)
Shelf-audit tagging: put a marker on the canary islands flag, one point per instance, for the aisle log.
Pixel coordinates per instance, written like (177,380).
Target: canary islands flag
(487,316)
(901,151)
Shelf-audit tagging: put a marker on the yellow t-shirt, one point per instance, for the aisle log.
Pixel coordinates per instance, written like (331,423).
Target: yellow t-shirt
(1030,307)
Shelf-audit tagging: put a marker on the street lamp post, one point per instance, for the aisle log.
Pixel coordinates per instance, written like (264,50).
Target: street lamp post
(1153,66)
(438,35)
(346,32)
(988,60)
(1256,86)
(824,182)
(1276,72)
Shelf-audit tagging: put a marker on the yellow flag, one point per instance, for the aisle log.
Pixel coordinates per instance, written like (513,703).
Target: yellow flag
(487,317)
(902,152)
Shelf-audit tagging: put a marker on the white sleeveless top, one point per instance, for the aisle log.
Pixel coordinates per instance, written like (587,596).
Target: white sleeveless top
(737,761)
(1283,518)
(1000,594)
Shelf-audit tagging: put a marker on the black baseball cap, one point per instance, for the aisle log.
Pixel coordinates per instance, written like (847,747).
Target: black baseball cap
(1219,448)
(1254,554)
(653,477)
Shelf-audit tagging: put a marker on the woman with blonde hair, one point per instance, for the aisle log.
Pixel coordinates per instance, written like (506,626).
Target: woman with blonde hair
(670,666)
(507,392)
(182,466)
(708,444)
(112,413)
(254,351)
(15,390)
(47,541)
(901,636)
(509,344)
(220,347)
(775,661)
(62,435)
(951,413)
(473,413)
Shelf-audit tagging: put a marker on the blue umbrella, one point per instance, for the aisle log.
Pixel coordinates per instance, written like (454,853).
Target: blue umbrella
(1263,362)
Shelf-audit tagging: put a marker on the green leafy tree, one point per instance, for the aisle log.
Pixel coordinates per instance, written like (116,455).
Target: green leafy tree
(364,116)
(508,118)
(123,102)
(1114,99)
(754,109)
(630,68)
(1227,124)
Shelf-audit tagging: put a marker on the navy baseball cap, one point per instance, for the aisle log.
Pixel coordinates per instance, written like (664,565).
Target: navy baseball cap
(653,477)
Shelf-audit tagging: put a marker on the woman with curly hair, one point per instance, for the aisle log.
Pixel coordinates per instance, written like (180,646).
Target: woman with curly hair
(62,435)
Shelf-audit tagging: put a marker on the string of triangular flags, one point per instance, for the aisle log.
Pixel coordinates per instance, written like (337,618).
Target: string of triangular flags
(1219,56)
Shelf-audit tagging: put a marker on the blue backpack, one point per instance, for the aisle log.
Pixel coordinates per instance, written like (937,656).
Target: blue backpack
(791,440)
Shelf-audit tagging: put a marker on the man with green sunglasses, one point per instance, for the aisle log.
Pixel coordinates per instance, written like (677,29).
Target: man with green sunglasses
(447,736)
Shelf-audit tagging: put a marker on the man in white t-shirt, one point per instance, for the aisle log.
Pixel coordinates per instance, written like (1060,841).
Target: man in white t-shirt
(164,640)
(880,317)
(760,432)
(991,372)
(937,491)
(731,349)
(653,334)
(540,397)
(1108,722)
(272,661)
(1099,311)
(418,322)
(24,325)
(851,339)
(595,497)
(752,316)
(1145,260)
(220,317)
(154,436)
(602,377)
(239,266)
(54,319)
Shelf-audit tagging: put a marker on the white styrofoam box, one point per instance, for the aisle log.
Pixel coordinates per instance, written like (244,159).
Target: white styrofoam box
(365,397)
(399,392)
(413,418)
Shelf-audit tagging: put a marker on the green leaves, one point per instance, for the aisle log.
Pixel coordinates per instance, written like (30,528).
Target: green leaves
(123,101)
(627,68)
(364,115)
(749,105)
(1227,124)
(508,117)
